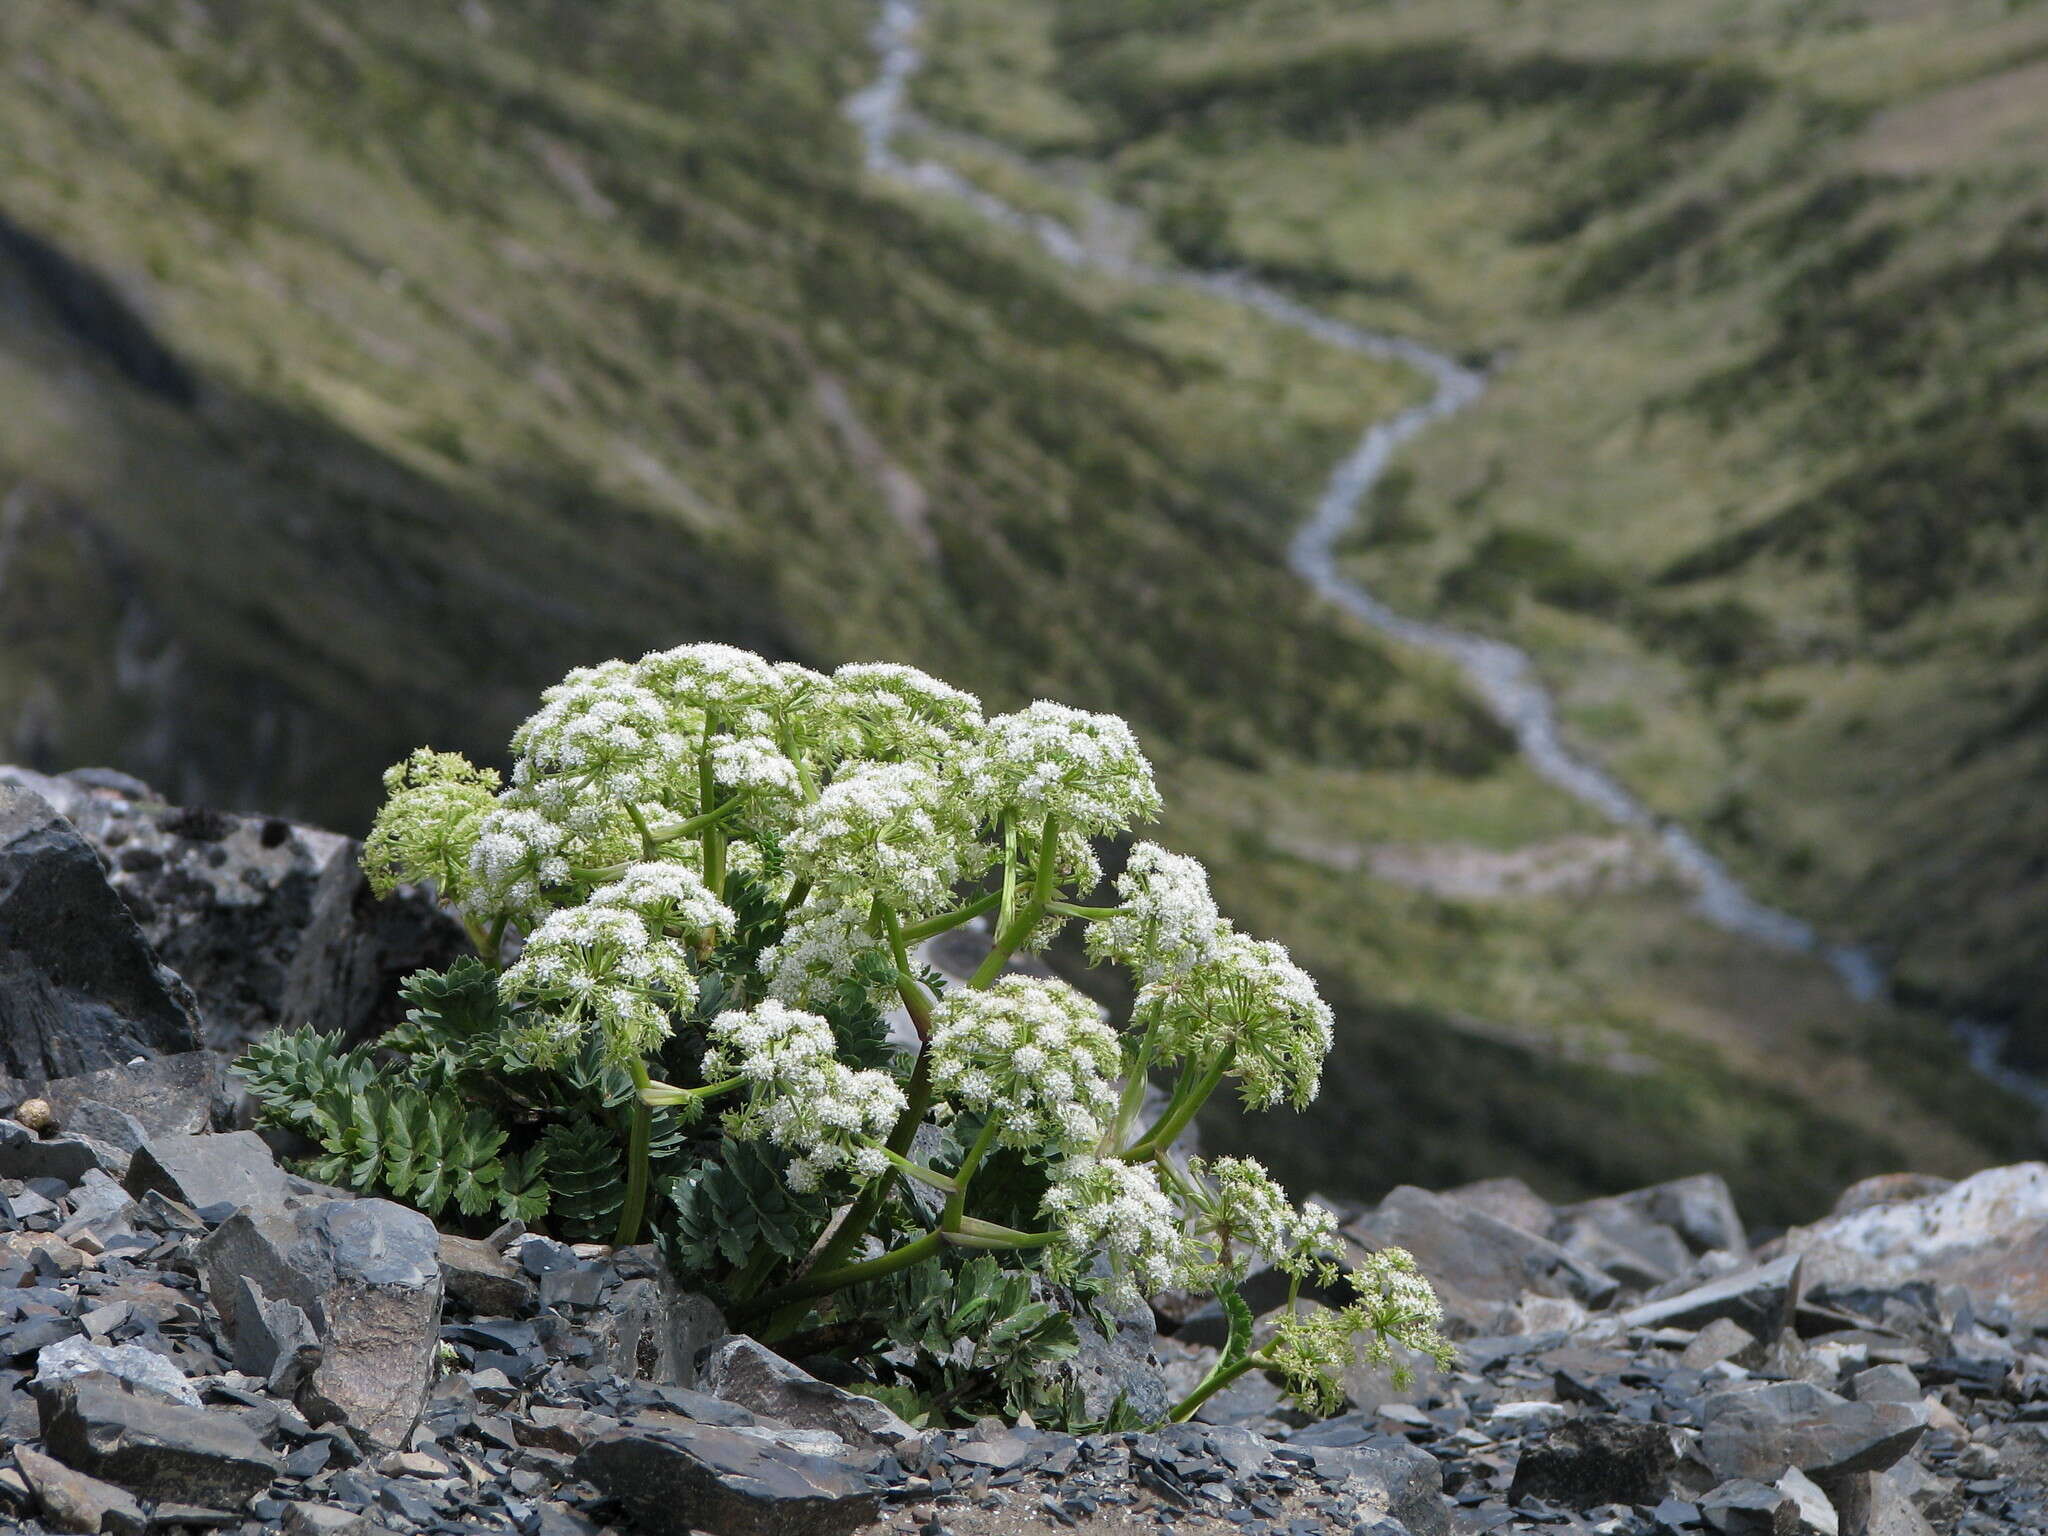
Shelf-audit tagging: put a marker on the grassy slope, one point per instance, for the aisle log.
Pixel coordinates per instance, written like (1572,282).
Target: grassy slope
(1764,477)
(475,351)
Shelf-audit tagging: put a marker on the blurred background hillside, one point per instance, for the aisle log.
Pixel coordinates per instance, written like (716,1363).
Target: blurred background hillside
(363,367)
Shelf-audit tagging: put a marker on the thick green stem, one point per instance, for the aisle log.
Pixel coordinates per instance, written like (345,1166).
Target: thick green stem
(956,1203)
(640,1136)
(927,1176)
(824,1282)
(714,840)
(1215,1382)
(945,922)
(647,844)
(917,1098)
(1068,909)
(1185,1105)
(1025,918)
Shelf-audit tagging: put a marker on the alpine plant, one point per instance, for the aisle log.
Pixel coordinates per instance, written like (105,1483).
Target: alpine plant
(699,1013)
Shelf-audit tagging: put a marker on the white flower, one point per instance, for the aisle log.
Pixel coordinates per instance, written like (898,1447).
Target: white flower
(594,968)
(800,1095)
(519,855)
(1167,923)
(719,680)
(1086,769)
(754,765)
(669,898)
(1118,1209)
(1243,1205)
(887,712)
(886,831)
(599,742)
(819,951)
(1249,999)
(1033,1054)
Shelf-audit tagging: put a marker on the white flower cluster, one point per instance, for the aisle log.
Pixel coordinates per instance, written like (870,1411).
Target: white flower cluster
(800,1095)
(429,824)
(886,831)
(755,765)
(895,713)
(597,969)
(1086,769)
(1102,1205)
(1248,998)
(1398,1301)
(1167,923)
(669,898)
(600,740)
(818,952)
(721,680)
(1312,1348)
(1244,1205)
(519,855)
(1033,1053)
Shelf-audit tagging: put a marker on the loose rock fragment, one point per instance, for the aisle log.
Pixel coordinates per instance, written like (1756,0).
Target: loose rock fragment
(71,1501)
(1593,1461)
(700,1478)
(158,1449)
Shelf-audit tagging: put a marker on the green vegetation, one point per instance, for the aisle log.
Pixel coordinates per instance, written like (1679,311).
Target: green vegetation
(362,370)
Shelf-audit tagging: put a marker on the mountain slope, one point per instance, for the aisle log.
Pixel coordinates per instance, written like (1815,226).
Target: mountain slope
(361,369)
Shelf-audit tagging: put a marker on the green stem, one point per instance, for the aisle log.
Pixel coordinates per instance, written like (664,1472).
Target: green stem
(1184,1107)
(822,1282)
(714,840)
(956,1203)
(1026,917)
(932,927)
(918,1171)
(658,1094)
(917,1099)
(640,1136)
(646,834)
(1068,909)
(497,938)
(975,1233)
(1213,1383)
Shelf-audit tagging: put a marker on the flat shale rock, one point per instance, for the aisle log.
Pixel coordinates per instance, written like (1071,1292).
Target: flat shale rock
(1758,1431)
(157,1449)
(686,1478)
(233,1168)
(179,1095)
(1479,1265)
(1987,1234)
(1760,1298)
(71,1501)
(741,1371)
(80,987)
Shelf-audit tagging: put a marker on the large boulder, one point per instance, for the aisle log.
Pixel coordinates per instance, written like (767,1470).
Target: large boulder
(80,987)
(1480,1265)
(1988,1234)
(367,1275)
(269,922)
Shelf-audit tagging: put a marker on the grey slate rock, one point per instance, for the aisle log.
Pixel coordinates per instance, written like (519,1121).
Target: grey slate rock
(1120,1365)
(1404,1480)
(1885,1384)
(1756,1432)
(107,1125)
(71,1501)
(80,987)
(676,1480)
(1599,1460)
(484,1280)
(232,1168)
(1744,1507)
(645,1327)
(274,1340)
(157,1449)
(1617,1236)
(1479,1265)
(1700,1209)
(25,1155)
(129,1363)
(1761,1298)
(367,1273)
(271,923)
(761,1381)
(179,1095)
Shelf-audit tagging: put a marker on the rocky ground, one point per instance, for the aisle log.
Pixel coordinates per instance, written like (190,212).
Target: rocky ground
(193,1338)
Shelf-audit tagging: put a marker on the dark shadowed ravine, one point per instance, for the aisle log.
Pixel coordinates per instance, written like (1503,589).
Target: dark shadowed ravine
(1501,674)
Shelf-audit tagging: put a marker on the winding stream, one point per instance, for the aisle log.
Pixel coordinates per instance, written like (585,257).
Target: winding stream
(1503,676)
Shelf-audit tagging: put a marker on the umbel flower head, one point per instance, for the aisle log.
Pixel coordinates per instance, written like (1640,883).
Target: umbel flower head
(888,832)
(1167,922)
(600,741)
(1034,1054)
(821,950)
(1396,1308)
(1102,1205)
(1085,769)
(800,1096)
(669,898)
(1243,1212)
(889,713)
(433,813)
(597,972)
(1254,1011)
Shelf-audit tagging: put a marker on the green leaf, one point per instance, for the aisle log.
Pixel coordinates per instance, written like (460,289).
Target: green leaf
(1239,1343)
